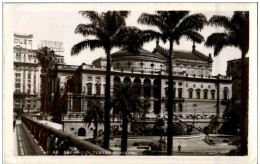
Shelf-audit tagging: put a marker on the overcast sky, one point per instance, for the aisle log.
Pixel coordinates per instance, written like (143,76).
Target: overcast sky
(58,22)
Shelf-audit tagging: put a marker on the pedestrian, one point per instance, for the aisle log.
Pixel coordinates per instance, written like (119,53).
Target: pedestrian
(179,148)
(14,120)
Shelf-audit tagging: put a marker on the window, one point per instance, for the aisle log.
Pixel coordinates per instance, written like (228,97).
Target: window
(17,75)
(190,93)
(205,94)
(180,107)
(98,89)
(198,93)
(225,93)
(29,76)
(213,94)
(180,93)
(89,89)
(17,85)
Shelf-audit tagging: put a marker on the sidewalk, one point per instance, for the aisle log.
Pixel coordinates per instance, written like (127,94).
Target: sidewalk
(25,143)
(15,148)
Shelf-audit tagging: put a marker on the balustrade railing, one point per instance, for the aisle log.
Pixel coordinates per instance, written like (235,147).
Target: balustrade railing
(56,142)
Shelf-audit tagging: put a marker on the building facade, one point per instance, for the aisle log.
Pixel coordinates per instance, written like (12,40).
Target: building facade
(27,71)
(27,75)
(197,94)
(234,70)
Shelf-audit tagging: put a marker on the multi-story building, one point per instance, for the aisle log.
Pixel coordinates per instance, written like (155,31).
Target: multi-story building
(27,75)
(197,94)
(234,70)
(27,70)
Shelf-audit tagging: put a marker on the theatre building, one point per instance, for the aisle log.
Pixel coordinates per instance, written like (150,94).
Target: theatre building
(197,94)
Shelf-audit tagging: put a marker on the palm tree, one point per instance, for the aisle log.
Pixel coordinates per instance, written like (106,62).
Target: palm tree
(236,34)
(109,29)
(94,114)
(127,104)
(173,25)
(46,59)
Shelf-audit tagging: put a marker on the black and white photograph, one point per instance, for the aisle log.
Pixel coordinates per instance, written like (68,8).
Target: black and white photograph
(130,79)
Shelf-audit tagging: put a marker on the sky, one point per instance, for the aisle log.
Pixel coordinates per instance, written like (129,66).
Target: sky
(57,23)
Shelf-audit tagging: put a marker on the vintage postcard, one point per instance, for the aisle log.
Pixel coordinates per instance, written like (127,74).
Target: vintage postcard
(141,82)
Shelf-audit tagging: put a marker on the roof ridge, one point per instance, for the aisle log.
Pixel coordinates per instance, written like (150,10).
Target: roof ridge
(201,55)
(165,53)
(124,51)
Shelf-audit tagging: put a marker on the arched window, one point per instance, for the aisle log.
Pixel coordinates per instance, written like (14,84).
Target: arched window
(89,88)
(157,88)
(147,88)
(81,132)
(116,80)
(137,86)
(127,80)
(225,93)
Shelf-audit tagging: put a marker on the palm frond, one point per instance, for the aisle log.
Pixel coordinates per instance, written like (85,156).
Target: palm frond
(218,41)
(192,35)
(221,21)
(85,29)
(149,35)
(92,44)
(130,39)
(172,18)
(94,17)
(149,19)
(193,22)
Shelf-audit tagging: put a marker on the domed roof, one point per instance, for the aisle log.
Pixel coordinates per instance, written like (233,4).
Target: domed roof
(144,55)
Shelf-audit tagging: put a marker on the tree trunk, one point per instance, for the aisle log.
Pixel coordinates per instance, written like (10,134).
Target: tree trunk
(124,135)
(107,104)
(244,106)
(170,102)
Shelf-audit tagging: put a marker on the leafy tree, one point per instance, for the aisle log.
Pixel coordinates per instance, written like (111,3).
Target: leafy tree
(213,125)
(109,30)
(236,33)
(94,114)
(231,119)
(173,25)
(127,104)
